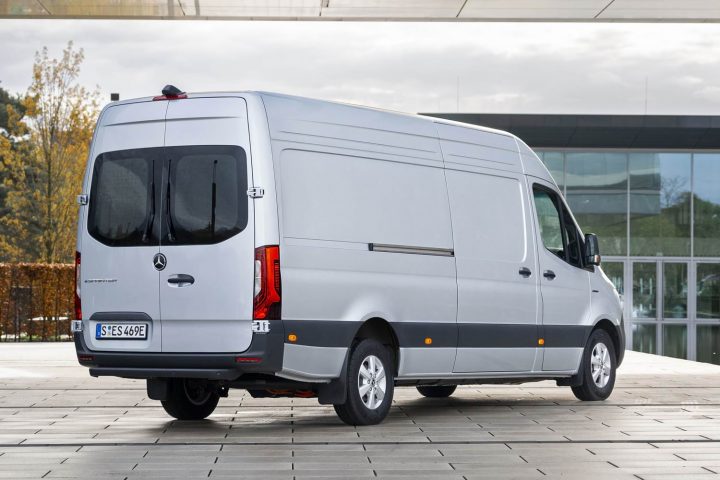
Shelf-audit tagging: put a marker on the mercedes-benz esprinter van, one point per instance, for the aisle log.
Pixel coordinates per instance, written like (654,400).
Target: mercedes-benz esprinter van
(295,247)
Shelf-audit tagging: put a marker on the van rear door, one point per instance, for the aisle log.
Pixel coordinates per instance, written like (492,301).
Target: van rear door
(119,236)
(207,237)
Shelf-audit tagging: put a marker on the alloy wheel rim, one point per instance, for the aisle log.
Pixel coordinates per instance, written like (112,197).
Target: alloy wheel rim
(372,382)
(600,365)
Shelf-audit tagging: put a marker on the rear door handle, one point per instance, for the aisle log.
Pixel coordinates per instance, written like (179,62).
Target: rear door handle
(549,274)
(180,280)
(525,272)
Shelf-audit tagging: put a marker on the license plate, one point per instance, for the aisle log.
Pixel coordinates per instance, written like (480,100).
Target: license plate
(121,331)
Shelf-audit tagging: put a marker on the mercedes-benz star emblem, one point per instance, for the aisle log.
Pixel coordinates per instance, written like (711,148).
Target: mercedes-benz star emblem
(159,261)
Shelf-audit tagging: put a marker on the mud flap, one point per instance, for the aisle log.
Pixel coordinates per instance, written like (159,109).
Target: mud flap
(335,392)
(574,381)
(158,388)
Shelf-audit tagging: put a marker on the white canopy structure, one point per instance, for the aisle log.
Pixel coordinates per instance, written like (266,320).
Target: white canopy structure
(373,10)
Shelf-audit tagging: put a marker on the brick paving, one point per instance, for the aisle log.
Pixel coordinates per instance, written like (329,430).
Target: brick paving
(662,422)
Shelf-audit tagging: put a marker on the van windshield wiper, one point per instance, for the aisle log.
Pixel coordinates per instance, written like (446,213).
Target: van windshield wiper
(151,218)
(171,229)
(213,201)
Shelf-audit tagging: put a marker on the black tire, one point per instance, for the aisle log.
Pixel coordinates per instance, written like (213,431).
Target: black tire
(191,399)
(355,410)
(589,390)
(437,391)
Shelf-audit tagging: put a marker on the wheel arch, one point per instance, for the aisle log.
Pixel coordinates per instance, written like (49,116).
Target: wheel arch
(615,335)
(380,329)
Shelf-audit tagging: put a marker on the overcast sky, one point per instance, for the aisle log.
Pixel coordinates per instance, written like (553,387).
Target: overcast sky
(413,67)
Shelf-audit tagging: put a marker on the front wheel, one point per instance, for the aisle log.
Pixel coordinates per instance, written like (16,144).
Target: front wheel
(370,384)
(597,369)
(191,399)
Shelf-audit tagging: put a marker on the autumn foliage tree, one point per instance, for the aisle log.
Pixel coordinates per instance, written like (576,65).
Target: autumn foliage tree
(43,153)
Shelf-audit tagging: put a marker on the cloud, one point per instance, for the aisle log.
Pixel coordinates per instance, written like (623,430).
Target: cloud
(534,68)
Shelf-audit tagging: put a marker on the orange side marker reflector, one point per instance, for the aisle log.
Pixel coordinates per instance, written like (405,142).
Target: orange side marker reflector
(428,341)
(541,341)
(292,337)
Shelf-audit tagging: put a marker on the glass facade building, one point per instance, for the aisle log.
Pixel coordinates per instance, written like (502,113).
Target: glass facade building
(649,187)
(657,215)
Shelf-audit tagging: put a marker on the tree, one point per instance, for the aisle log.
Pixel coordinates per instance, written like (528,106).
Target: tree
(7,99)
(43,156)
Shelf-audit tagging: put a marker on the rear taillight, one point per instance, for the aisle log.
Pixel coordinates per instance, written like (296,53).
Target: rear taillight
(78,304)
(266,305)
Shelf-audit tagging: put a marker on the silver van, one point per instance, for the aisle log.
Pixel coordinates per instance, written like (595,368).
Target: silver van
(295,247)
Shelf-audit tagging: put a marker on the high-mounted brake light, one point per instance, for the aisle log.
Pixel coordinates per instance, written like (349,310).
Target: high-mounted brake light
(267,303)
(171,92)
(78,303)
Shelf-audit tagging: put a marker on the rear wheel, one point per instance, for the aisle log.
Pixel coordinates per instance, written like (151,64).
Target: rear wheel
(191,399)
(370,384)
(597,370)
(437,391)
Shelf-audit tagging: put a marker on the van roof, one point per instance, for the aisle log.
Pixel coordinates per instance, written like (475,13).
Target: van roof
(531,164)
(314,100)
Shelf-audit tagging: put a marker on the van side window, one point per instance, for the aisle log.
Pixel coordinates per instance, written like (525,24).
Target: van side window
(572,239)
(207,193)
(549,221)
(557,229)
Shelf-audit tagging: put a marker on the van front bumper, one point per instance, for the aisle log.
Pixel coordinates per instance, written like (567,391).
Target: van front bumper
(264,356)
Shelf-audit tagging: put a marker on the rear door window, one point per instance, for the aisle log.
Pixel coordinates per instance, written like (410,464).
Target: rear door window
(206,194)
(123,197)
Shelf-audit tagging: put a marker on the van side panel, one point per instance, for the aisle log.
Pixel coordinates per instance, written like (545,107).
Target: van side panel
(345,198)
(348,180)
(470,149)
(532,165)
(263,173)
(497,306)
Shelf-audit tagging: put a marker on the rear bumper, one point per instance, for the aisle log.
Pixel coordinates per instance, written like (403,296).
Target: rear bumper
(265,355)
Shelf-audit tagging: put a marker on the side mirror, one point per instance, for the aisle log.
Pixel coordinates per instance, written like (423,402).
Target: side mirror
(592,249)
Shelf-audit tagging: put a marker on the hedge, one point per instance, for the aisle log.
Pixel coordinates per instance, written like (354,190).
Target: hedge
(36,301)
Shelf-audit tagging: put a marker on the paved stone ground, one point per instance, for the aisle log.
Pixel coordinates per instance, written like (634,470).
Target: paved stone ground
(662,422)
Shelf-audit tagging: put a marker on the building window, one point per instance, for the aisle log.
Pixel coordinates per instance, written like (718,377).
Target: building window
(708,290)
(644,290)
(675,283)
(615,272)
(675,341)
(644,337)
(555,163)
(707,204)
(660,204)
(596,184)
(708,344)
